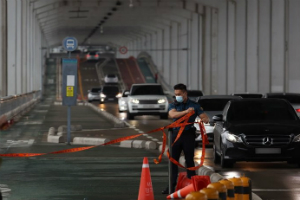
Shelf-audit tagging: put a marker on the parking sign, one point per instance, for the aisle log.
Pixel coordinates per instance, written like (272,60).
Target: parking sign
(70,43)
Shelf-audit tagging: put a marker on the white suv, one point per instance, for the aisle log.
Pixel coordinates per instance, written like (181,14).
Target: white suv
(147,99)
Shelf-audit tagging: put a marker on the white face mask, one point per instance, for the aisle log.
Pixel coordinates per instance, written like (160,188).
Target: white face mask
(179,99)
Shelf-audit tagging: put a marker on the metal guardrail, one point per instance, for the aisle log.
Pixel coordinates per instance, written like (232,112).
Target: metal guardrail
(12,102)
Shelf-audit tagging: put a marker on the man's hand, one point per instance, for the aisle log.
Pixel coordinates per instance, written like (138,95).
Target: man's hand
(190,109)
(204,118)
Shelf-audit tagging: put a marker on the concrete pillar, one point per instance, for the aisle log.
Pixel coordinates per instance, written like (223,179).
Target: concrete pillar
(11,46)
(252,44)
(18,47)
(207,54)
(167,38)
(214,51)
(25,5)
(278,47)
(231,47)
(264,48)
(240,45)
(222,51)
(293,46)
(174,54)
(3,47)
(159,52)
(195,52)
(183,62)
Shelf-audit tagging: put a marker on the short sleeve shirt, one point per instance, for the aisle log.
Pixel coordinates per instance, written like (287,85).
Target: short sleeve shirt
(184,106)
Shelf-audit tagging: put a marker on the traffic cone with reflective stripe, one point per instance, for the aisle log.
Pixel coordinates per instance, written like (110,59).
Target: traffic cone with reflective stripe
(182,193)
(146,189)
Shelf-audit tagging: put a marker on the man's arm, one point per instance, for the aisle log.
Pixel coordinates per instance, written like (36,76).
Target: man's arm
(204,118)
(174,114)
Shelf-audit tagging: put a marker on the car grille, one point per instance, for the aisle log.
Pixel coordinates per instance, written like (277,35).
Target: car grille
(267,140)
(148,101)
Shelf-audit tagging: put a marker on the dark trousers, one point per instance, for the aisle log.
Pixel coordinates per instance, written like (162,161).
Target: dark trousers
(185,143)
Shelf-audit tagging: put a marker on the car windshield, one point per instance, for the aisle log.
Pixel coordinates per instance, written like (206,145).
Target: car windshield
(291,98)
(111,76)
(95,90)
(93,53)
(110,90)
(260,111)
(213,104)
(147,90)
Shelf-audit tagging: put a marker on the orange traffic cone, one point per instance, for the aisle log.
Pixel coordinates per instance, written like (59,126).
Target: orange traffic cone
(198,183)
(146,190)
(183,181)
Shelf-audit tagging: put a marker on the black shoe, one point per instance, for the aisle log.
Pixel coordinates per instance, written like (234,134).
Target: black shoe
(165,191)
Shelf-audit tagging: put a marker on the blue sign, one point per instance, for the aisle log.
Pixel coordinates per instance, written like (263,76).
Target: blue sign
(70,43)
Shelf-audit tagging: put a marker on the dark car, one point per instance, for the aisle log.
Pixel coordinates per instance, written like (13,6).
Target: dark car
(257,130)
(110,93)
(248,95)
(194,94)
(293,98)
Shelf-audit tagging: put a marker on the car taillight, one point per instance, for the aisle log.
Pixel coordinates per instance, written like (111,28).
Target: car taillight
(88,56)
(96,56)
(298,110)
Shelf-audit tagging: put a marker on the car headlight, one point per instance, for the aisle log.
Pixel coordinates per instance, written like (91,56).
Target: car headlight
(102,95)
(119,95)
(197,120)
(160,101)
(233,138)
(89,95)
(296,138)
(136,101)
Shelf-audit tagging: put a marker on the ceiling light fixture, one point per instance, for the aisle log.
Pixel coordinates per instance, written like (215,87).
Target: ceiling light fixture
(131,3)
(114,9)
(119,3)
(109,14)
(105,18)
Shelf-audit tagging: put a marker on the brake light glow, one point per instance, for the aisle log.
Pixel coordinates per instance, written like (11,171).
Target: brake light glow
(96,56)
(298,110)
(88,56)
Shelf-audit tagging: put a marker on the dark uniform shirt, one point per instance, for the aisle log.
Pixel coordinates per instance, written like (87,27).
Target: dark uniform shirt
(184,106)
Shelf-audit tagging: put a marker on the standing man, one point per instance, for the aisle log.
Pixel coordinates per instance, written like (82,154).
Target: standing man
(186,143)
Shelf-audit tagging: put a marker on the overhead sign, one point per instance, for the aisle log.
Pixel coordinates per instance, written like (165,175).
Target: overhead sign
(123,50)
(70,43)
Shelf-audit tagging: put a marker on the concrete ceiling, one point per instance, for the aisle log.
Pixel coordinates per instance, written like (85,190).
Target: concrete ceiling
(95,22)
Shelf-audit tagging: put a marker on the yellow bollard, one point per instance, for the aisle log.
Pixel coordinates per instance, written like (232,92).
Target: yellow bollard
(196,196)
(230,188)
(221,189)
(211,193)
(247,188)
(238,188)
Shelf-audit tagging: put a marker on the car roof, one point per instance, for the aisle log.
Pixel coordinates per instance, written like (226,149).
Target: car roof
(219,97)
(138,84)
(283,94)
(258,99)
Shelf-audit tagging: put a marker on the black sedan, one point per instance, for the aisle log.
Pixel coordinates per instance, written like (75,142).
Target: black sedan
(257,130)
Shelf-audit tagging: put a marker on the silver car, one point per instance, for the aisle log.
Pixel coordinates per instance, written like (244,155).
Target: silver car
(212,105)
(93,94)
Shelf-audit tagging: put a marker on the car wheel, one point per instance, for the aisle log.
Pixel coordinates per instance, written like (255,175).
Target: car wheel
(225,163)
(164,116)
(130,116)
(216,155)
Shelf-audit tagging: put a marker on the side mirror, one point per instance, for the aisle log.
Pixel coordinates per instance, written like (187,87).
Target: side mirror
(126,93)
(218,118)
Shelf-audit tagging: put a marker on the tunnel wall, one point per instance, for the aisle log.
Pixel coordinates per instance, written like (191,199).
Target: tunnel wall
(232,47)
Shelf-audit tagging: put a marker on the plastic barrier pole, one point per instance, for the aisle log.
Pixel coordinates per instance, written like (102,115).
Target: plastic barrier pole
(169,162)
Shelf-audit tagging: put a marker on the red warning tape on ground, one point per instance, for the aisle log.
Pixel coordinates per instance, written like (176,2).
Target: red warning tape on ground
(182,122)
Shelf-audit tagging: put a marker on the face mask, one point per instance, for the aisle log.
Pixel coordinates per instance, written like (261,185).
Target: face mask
(179,99)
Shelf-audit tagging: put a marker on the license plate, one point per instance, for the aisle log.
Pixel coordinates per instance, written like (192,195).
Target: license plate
(267,150)
(147,106)
(111,99)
